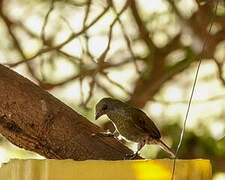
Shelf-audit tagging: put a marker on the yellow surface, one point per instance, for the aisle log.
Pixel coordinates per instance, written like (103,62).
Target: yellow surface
(159,169)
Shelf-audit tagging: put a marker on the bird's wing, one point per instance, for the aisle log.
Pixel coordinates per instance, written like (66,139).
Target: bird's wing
(142,121)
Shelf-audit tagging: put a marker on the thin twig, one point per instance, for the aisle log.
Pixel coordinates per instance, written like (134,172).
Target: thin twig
(75,59)
(87,12)
(67,23)
(104,54)
(127,41)
(130,48)
(84,73)
(46,21)
(43,77)
(81,81)
(81,90)
(115,83)
(15,40)
(220,71)
(70,38)
(91,85)
(144,33)
(106,90)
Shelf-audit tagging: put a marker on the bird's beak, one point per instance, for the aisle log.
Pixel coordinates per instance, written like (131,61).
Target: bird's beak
(97,115)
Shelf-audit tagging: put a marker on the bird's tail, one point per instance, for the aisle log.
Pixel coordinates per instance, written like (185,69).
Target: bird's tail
(165,148)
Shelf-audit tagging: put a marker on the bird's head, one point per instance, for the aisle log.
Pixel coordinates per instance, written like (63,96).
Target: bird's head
(104,106)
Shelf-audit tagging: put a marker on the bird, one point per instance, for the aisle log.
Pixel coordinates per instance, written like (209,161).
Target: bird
(131,123)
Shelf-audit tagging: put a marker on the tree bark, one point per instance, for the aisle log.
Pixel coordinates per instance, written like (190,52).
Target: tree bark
(33,119)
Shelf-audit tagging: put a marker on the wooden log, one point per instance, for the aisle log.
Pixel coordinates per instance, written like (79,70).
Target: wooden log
(35,120)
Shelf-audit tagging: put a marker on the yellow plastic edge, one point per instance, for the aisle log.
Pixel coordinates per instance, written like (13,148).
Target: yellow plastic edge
(158,169)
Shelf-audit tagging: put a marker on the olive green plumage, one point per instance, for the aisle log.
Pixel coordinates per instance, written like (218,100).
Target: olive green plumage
(131,123)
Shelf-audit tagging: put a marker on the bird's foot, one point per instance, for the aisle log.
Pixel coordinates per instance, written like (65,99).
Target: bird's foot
(105,134)
(173,156)
(131,156)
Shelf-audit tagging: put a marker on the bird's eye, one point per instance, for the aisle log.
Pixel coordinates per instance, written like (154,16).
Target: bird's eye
(104,107)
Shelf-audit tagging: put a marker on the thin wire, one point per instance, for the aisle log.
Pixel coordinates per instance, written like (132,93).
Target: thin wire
(193,89)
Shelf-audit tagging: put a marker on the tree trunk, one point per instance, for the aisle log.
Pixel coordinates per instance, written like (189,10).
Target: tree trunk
(33,119)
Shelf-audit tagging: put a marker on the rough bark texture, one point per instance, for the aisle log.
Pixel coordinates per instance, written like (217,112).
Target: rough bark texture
(33,119)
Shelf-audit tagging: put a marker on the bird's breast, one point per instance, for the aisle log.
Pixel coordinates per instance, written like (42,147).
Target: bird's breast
(125,127)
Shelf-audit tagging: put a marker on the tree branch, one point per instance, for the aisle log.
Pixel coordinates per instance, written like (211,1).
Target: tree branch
(35,120)
(58,47)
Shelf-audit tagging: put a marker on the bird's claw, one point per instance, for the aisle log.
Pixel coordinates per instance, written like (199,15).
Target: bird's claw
(172,156)
(131,156)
